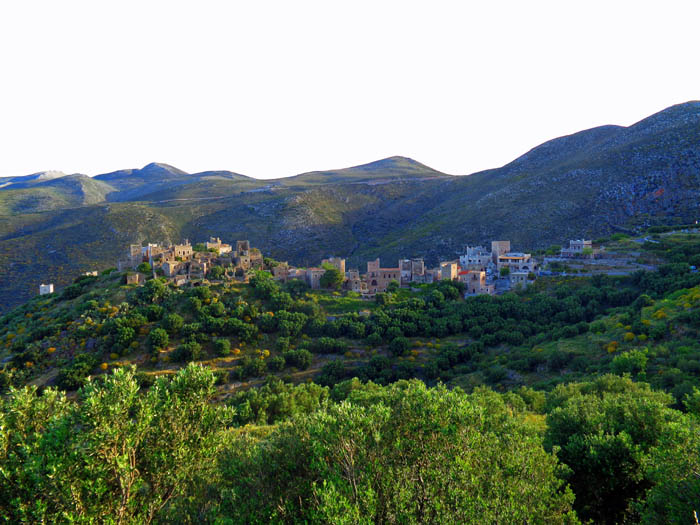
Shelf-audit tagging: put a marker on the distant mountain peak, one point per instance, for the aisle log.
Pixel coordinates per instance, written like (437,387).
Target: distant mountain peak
(46,175)
(395,162)
(160,167)
(40,176)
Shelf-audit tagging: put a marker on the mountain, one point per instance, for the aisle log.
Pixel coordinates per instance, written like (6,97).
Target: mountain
(65,191)
(377,172)
(590,183)
(132,184)
(26,180)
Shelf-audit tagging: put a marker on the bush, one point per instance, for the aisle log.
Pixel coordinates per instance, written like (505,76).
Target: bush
(158,339)
(658,332)
(300,359)
(202,292)
(598,327)
(282,344)
(374,339)
(194,304)
(124,336)
(173,323)
(71,292)
(328,345)
(145,380)
(332,372)
(632,362)
(398,346)
(253,367)
(276,363)
(73,377)
(190,351)
(154,312)
(222,347)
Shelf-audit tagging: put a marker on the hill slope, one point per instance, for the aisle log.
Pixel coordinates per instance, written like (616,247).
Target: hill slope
(586,184)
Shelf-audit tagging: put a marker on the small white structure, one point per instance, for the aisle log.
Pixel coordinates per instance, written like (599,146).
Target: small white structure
(578,247)
(45,288)
(520,278)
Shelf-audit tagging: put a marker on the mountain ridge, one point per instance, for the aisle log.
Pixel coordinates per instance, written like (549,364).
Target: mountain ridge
(686,113)
(587,184)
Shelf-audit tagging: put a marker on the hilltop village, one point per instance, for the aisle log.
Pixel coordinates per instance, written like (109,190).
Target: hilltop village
(481,270)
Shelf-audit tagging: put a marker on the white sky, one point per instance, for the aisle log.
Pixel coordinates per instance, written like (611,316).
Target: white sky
(271,89)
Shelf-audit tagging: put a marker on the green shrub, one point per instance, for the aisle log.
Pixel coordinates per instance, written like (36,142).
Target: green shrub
(282,344)
(222,347)
(173,323)
(73,376)
(633,362)
(253,367)
(189,351)
(398,346)
(300,359)
(158,339)
(276,363)
(329,345)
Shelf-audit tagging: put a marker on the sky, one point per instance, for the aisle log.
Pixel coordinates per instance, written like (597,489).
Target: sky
(272,89)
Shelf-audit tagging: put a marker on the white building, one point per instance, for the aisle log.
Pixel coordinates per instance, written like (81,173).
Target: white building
(520,278)
(576,248)
(517,262)
(45,288)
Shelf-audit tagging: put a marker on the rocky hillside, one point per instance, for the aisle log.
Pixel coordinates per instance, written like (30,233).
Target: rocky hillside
(586,184)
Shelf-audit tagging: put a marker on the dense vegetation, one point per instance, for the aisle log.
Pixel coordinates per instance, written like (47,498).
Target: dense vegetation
(576,399)
(609,450)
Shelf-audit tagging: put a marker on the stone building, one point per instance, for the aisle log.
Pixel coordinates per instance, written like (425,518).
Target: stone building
(475,258)
(313,277)
(355,284)
(412,271)
(281,272)
(135,278)
(448,271)
(242,247)
(242,261)
(214,243)
(171,268)
(499,248)
(183,251)
(197,269)
(475,282)
(378,278)
(336,262)
(256,258)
